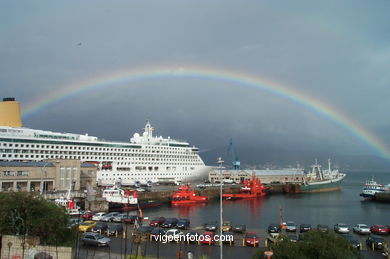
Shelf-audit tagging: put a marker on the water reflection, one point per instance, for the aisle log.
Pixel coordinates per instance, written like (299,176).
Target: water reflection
(186,210)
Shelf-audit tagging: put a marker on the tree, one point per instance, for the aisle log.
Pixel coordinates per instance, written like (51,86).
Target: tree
(27,215)
(315,244)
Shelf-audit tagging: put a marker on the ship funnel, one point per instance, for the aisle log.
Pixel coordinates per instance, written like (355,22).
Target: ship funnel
(10,113)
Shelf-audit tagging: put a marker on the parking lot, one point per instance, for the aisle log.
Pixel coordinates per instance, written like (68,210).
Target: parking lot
(133,241)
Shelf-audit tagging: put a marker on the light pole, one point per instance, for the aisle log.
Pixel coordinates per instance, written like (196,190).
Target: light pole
(42,183)
(220,162)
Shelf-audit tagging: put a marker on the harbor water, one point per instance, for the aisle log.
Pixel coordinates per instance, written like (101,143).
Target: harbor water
(344,206)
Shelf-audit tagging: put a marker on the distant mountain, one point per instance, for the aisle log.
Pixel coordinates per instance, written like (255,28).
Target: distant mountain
(278,158)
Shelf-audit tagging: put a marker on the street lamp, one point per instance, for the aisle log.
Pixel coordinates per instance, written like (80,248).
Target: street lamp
(220,162)
(42,183)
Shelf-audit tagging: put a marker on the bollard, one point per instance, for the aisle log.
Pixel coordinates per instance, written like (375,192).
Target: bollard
(243,242)
(107,233)
(210,242)
(230,242)
(100,231)
(188,241)
(116,233)
(198,242)
(360,246)
(268,254)
(124,234)
(372,246)
(266,242)
(254,243)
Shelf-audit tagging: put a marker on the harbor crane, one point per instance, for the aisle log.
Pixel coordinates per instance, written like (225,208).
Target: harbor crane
(235,161)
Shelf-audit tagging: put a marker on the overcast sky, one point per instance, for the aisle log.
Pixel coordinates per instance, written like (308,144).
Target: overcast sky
(335,51)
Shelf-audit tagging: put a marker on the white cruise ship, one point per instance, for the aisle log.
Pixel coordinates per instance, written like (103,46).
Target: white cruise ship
(144,158)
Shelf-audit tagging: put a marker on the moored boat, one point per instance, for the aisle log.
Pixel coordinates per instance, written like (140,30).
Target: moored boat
(252,189)
(371,188)
(185,195)
(319,180)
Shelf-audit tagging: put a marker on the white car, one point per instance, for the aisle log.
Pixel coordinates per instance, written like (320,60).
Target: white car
(98,216)
(173,232)
(341,228)
(109,217)
(361,229)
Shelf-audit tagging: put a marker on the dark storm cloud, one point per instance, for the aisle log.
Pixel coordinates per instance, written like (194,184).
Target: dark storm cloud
(336,52)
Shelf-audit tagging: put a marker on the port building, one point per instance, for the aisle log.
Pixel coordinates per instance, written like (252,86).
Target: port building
(289,175)
(47,175)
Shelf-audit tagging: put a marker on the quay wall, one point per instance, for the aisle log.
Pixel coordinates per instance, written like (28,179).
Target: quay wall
(383,197)
(211,192)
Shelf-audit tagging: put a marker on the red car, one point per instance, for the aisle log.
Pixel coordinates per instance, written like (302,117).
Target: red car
(157,221)
(87,215)
(131,219)
(208,238)
(251,239)
(379,229)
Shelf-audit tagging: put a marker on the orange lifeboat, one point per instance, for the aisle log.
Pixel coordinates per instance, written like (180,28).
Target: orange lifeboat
(187,196)
(252,189)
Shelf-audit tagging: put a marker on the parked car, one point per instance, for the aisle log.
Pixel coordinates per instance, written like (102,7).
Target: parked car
(239,228)
(72,222)
(322,228)
(354,241)
(291,226)
(341,228)
(109,216)
(192,236)
(87,215)
(293,238)
(304,228)
(211,226)
(131,219)
(86,226)
(115,229)
(95,239)
(120,217)
(251,239)
(156,232)
(169,223)
(100,227)
(98,216)
(274,229)
(157,221)
(208,238)
(361,229)
(379,230)
(226,226)
(228,237)
(375,242)
(183,223)
(173,232)
(145,230)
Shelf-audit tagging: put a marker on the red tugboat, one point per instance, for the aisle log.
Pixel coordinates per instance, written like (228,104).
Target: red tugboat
(252,189)
(187,196)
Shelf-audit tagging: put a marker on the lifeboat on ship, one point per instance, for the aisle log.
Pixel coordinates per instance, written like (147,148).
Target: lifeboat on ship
(252,189)
(185,196)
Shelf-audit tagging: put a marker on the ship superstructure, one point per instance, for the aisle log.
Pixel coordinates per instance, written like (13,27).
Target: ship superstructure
(144,158)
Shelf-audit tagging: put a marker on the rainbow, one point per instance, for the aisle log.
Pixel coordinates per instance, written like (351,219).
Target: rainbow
(207,73)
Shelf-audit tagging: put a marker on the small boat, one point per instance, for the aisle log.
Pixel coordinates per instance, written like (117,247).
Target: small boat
(70,205)
(252,189)
(371,188)
(185,195)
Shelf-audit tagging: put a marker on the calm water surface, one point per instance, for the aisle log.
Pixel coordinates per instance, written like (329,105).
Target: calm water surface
(326,208)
